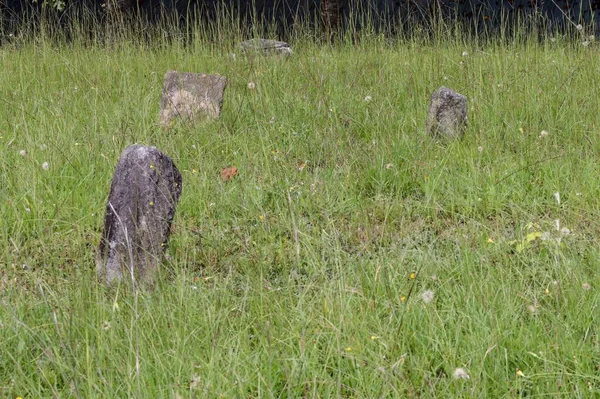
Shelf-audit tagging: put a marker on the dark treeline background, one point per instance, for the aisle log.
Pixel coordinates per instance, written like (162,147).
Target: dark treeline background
(329,16)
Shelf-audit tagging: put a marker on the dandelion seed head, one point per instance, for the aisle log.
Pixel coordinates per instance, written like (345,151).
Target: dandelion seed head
(427,296)
(545,236)
(460,374)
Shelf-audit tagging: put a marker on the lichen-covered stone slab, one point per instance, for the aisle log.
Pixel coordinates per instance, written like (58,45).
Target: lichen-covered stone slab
(141,205)
(191,96)
(266,47)
(447,114)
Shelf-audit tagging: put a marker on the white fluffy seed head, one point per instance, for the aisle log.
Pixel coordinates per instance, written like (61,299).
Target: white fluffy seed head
(460,374)
(427,296)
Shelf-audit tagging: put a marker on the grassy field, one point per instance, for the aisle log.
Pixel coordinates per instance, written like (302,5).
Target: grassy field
(352,256)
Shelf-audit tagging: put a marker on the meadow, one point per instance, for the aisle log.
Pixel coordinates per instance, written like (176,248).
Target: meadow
(352,255)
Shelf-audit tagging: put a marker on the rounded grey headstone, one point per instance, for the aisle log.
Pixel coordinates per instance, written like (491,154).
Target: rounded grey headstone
(266,47)
(447,114)
(144,192)
(191,96)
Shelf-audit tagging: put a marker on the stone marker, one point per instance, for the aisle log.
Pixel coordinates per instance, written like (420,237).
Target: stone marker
(191,95)
(143,195)
(447,114)
(266,47)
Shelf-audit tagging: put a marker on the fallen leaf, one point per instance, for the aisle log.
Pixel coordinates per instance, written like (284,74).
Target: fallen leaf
(228,173)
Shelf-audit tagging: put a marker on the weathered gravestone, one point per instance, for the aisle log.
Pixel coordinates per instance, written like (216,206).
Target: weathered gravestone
(191,96)
(143,195)
(266,47)
(447,114)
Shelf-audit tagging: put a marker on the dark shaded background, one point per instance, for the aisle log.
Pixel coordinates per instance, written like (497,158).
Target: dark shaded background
(389,16)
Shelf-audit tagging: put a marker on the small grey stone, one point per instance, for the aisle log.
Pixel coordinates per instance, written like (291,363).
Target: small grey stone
(447,114)
(266,46)
(141,205)
(191,95)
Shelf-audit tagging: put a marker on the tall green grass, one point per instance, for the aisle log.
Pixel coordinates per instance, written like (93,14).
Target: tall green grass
(305,275)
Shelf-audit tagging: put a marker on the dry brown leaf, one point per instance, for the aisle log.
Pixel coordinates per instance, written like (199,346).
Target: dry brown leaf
(228,173)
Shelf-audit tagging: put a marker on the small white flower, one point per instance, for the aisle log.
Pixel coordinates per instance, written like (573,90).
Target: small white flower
(106,325)
(532,309)
(45,166)
(565,231)
(445,78)
(460,374)
(427,296)
(28,210)
(251,85)
(579,27)
(272,120)
(480,148)
(368,98)
(465,54)
(543,133)
(557,197)
(22,153)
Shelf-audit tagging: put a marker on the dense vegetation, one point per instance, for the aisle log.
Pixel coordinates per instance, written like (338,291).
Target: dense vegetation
(352,255)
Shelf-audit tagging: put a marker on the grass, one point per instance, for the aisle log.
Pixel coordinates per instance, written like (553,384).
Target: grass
(304,275)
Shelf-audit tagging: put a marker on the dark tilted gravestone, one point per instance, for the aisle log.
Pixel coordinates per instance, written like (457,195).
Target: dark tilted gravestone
(266,47)
(191,96)
(143,195)
(447,114)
